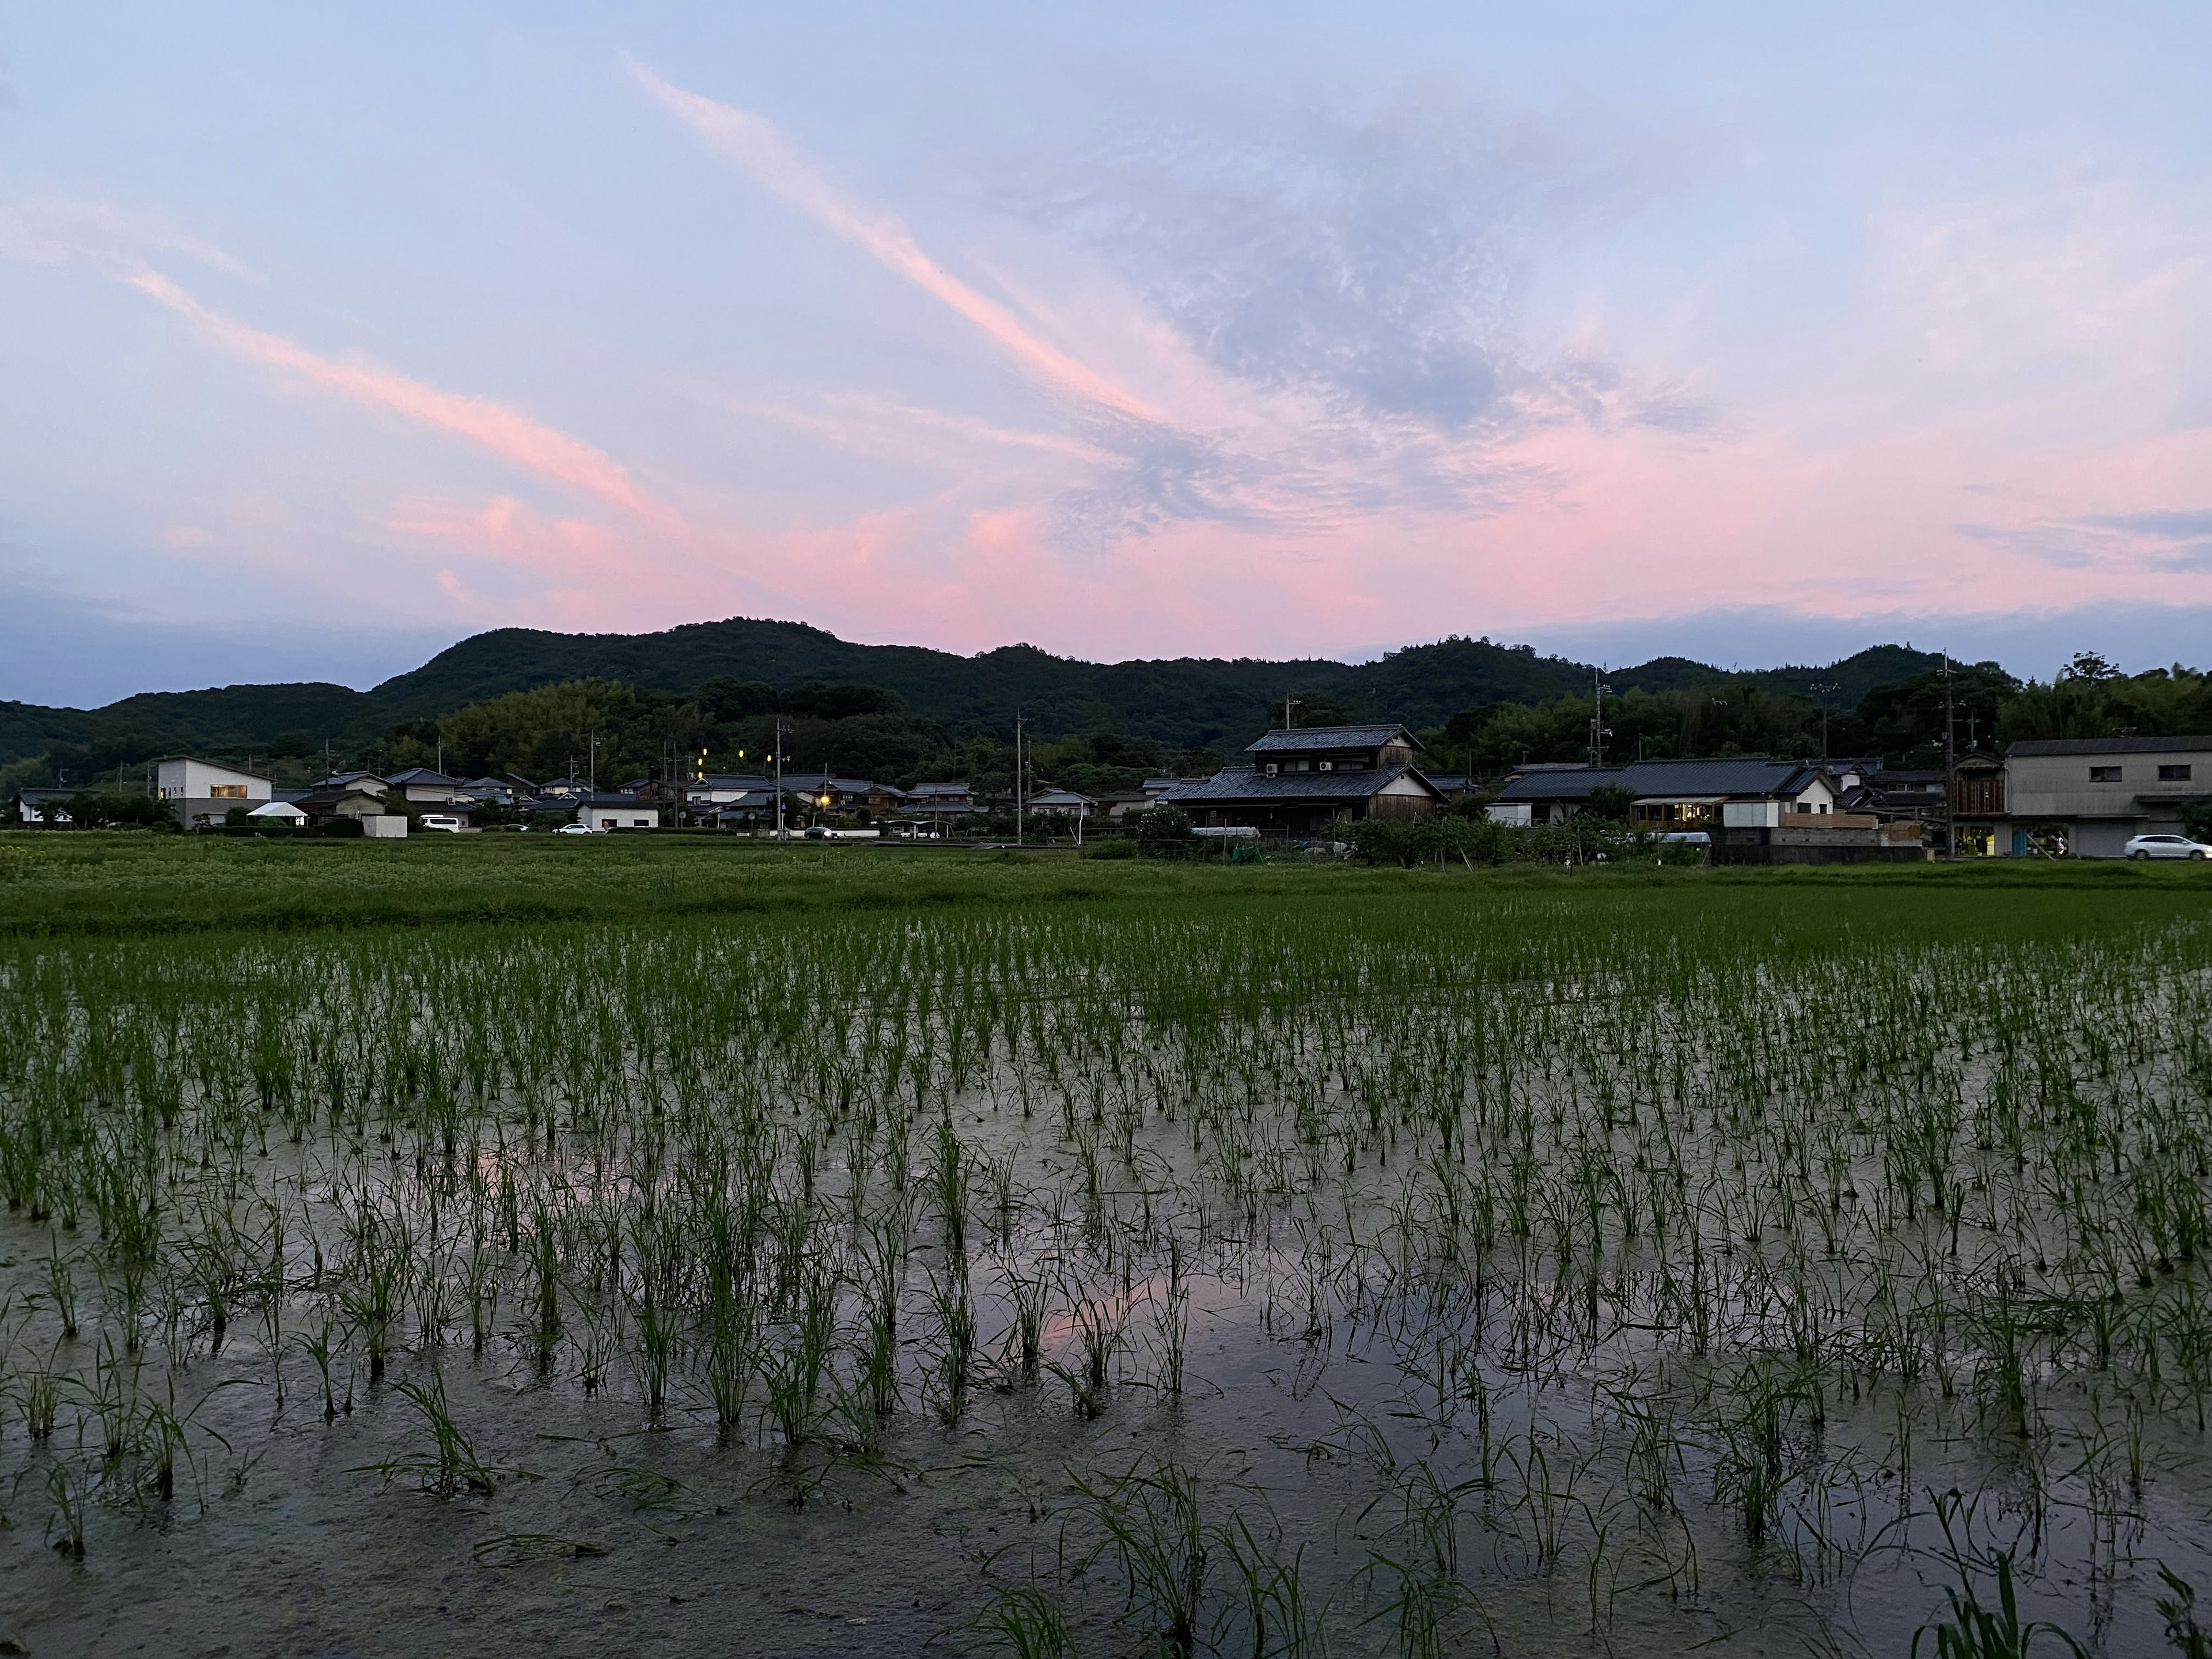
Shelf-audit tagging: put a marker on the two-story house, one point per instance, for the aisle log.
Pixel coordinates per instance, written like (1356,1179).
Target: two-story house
(1303,781)
(2084,796)
(201,791)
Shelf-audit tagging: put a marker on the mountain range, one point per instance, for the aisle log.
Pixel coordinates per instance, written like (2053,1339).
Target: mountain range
(1190,702)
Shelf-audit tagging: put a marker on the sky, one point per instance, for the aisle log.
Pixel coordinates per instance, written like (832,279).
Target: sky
(1755,332)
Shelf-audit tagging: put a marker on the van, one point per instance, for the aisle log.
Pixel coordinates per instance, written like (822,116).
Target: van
(447,821)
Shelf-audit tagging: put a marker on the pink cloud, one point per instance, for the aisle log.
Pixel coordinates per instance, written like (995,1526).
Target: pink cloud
(527,443)
(753,143)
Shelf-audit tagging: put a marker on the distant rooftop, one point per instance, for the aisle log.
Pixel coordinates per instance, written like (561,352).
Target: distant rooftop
(1729,776)
(1333,737)
(2032,746)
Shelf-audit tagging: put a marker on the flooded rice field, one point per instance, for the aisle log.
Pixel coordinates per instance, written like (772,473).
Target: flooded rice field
(1517,1275)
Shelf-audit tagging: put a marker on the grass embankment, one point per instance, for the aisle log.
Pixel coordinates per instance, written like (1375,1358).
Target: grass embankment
(123,884)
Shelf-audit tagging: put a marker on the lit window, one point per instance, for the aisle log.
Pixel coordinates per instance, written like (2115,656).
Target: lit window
(227,790)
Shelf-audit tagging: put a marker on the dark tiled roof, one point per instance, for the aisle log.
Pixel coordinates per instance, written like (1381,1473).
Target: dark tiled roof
(1733,776)
(1331,736)
(1237,785)
(2109,746)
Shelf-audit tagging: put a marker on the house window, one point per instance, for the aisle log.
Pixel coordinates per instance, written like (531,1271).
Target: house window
(2104,775)
(227,790)
(2173,775)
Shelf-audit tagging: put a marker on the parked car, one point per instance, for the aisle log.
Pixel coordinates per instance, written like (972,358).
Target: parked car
(575,829)
(446,821)
(2167,847)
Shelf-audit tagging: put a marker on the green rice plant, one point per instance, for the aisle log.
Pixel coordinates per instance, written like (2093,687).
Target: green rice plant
(1279,1620)
(61,1286)
(1024,1620)
(952,1178)
(1028,1292)
(1170,1334)
(452,1465)
(2179,1609)
(115,1400)
(1975,1631)
(65,1529)
(731,1358)
(1149,1519)
(954,1310)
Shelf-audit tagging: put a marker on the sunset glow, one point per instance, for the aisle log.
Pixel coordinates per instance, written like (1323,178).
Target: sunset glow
(1123,334)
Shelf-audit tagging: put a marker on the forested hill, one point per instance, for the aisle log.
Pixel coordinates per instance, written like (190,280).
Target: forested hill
(1190,703)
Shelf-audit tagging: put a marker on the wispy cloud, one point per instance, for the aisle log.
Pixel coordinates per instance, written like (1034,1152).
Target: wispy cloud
(514,436)
(52,230)
(753,143)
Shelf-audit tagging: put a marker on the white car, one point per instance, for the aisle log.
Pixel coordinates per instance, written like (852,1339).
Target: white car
(575,829)
(445,821)
(2167,847)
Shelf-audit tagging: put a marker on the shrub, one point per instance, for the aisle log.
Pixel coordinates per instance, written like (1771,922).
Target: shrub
(1159,827)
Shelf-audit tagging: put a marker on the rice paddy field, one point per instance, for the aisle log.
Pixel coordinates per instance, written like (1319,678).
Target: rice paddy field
(643,1247)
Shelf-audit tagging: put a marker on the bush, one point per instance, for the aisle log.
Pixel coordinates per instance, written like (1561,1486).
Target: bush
(1112,849)
(341,828)
(1584,838)
(89,810)
(1158,825)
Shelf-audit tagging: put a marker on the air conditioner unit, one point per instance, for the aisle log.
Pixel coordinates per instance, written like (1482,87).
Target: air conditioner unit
(1271,768)
(1325,766)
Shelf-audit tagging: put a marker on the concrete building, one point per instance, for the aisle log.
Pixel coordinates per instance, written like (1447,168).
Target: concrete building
(617,813)
(2078,797)
(200,791)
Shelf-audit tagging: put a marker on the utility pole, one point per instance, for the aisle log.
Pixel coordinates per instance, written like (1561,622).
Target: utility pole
(1824,690)
(1950,766)
(1598,689)
(1289,703)
(1017,777)
(592,781)
(778,778)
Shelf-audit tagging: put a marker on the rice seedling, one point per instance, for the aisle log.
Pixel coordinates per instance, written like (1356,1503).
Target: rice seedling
(1654,1247)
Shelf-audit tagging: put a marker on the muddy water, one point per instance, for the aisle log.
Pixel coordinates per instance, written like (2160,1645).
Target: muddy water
(604,1534)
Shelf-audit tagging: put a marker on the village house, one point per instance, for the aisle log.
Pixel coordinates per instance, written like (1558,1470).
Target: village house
(342,800)
(418,786)
(1746,792)
(1752,809)
(832,794)
(719,789)
(200,791)
(1303,783)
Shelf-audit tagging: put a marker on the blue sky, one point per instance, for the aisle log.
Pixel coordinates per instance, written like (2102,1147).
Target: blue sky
(1756,332)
